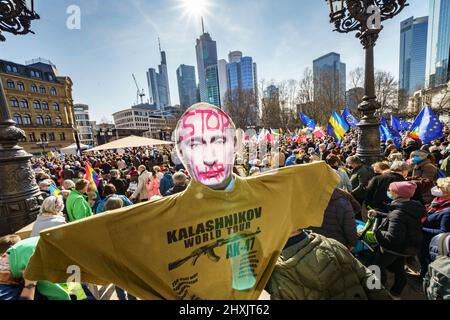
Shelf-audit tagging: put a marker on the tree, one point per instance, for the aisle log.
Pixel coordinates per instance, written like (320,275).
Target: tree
(328,96)
(242,106)
(386,90)
(357,77)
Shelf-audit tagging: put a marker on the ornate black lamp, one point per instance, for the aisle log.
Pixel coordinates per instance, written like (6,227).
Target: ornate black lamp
(19,193)
(365,17)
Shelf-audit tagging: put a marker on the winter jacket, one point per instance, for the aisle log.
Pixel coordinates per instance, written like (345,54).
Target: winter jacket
(360,179)
(401,230)
(101,204)
(120,184)
(77,206)
(376,195)
(344,183)
(437,222)
(175,190)
(318,268)
(426,170)
(166,183)
(339,220)
(45,222)
(67,174)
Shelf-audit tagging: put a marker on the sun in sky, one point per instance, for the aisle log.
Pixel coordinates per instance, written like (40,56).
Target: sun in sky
(194,9)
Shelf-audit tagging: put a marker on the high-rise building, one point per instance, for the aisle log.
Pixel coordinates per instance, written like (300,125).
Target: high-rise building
(158,83)
(234,56)
(206,51)
(187,87)
(241,72)
(223,80)
(353,98)
(413,53)
(40,102)
(271,92)
(84,125)
(438,49)
(330,78)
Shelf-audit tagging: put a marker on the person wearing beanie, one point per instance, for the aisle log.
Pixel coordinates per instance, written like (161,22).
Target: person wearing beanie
(400,233)
(423,168)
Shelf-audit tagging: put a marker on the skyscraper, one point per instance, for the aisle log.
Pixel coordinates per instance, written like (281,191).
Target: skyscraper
(187,87)
(438,49)
(223,80)
(330,78)
(208,78)
(413,53)
(158,84)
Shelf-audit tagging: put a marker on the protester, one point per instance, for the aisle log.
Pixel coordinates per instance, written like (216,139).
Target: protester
(399,235)
(111,192)
(423,169)
(359,178)
(119,184)
(51,215)
(141,194)
(44,187)
(77,205)
(334,162)
(153,185)
(179,184)
(166,182)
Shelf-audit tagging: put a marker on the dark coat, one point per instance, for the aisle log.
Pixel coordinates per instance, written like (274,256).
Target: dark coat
(339,220)
(401,230)
(175,190)
(437,223)
(67,174)
(376,195)
(359,179)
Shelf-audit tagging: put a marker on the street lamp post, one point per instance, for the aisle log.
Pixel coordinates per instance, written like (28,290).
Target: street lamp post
(19,193)
(365,17)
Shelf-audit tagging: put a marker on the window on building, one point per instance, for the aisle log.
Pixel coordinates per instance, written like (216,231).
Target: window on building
(10,84)
(32,137)
(62,136)
(34,88)
(43,136)
(17,118)
(51,136)
(8,68)
(35,74)
(26,119)
(24,104)
(53,92)
(56,106)
(36,105)
(14,103)
(14,69)
(58,121)
(44,105)
(48,121)
(21,86)
(50,77)
(39,120)
(42,89)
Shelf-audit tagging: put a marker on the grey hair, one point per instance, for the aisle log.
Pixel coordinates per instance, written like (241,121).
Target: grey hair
(52,205)
(399,166)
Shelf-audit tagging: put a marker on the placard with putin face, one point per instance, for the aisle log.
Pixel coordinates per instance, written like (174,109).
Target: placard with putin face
(206,144)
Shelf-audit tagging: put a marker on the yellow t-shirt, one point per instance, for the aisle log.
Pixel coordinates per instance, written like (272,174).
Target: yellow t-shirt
(199,244)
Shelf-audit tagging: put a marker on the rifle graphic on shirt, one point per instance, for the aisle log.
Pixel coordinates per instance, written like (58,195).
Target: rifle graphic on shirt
(208,250)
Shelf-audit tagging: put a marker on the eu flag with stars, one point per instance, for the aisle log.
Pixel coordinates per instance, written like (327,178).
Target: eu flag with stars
(351,120)
(396,124)
(427,125)
(307,121)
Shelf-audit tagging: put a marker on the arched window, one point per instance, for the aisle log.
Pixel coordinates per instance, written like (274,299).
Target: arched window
(10,84)
(56,106)
(53,91)
(14,103)
(58,121)
(24,104)
(39,121)
(48,121)
(34,88)
(44,105)
(42,89)
(17,118)
(36,104)
(26,119)
(21,86)
(8,68)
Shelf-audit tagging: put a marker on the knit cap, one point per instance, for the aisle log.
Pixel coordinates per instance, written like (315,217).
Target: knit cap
(404,189)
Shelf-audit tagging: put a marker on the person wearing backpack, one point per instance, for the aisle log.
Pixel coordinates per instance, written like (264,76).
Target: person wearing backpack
(437,220)
(399,235)
(436,283)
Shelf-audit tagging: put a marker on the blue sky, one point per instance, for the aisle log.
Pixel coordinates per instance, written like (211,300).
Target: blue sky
(119,37)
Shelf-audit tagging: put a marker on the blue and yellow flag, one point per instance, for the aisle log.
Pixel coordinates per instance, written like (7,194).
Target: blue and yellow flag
(54,191)
(339,127)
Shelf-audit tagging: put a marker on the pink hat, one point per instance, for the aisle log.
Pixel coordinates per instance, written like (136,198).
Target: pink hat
(404,189)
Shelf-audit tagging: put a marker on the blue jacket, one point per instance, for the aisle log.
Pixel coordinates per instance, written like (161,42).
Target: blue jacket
(437,223)
(101,203)
(291,161)
(166,183)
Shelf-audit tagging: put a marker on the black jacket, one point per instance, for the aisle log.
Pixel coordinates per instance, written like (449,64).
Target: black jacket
(376,195)
(359,179)
(401,230)
(175,190)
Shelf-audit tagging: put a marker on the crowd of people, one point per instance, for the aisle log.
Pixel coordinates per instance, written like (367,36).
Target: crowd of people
(406,195)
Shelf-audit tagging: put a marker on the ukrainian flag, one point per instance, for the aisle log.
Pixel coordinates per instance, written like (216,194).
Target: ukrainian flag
(340,127)
(54,191)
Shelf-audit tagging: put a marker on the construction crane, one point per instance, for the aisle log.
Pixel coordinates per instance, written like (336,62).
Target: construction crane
(140,93)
